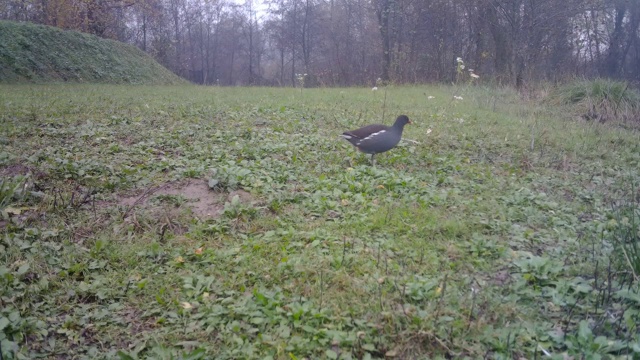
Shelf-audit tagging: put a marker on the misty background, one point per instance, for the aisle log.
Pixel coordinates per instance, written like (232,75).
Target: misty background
(357,42)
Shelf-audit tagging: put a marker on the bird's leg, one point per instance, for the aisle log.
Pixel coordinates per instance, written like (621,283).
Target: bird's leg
(373,161)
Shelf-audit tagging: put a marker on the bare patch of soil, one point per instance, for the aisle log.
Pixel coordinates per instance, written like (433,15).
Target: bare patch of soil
(203,202)
(501,278)
(243,196)
(20,170)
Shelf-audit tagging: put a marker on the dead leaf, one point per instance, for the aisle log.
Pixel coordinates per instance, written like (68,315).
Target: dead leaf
(391,353)
(16,210)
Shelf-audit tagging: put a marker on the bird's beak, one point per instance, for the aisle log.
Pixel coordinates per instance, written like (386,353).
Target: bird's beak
(410,122)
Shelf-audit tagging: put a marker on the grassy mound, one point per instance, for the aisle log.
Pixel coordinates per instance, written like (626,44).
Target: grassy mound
(601,100)
(36,53)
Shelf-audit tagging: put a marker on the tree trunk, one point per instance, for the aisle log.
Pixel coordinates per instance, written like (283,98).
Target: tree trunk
(282,66)
(306,41)
(502,54)
(383,11)
(144,32)
(613,60)
(293,44)
(176,27)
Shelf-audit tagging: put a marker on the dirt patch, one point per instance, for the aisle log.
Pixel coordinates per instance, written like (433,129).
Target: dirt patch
(138,322)
(501,278)
(20,170)
(203,202)
(243,196)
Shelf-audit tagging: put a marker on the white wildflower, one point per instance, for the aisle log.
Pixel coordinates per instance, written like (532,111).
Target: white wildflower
(428,131)
(375,88)
(475,76)
(462,66)
(457,97)
(459,59)
(431,97)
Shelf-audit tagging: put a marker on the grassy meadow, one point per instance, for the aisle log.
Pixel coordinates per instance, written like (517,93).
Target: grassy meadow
(186,222)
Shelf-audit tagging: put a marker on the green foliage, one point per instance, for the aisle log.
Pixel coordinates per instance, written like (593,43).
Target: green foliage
(601,99)
(37,53)
(11,189)
(492,235)
(623,230)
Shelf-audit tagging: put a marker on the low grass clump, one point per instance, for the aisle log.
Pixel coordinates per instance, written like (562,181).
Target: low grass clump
(228,223)
(600,100)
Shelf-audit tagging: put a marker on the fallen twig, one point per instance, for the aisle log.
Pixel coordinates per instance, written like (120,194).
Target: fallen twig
(144,195)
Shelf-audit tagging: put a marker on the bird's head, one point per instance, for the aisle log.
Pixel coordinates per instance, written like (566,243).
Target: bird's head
(402,120)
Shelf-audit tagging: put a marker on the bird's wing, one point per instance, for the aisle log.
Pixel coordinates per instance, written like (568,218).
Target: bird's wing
(363,132)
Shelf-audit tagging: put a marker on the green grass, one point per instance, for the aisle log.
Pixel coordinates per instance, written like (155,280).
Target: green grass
(497,235)
(41,54)
(601,100)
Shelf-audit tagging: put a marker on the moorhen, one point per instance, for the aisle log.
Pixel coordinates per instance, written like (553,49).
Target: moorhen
(375,139)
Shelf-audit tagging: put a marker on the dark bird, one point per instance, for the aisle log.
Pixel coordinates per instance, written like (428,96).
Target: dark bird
(377,138)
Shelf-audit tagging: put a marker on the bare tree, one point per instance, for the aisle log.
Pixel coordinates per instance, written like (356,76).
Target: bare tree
(353,42)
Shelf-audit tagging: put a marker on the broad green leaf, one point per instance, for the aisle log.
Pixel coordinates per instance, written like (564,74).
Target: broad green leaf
(331,354)
(3,322)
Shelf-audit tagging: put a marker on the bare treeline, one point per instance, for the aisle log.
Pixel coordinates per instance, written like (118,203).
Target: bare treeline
(356,42)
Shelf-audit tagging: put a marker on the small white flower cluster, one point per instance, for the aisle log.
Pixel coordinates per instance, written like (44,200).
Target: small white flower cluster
(461,67)
(301,78)
(431,97)
(379,82)
(457,97)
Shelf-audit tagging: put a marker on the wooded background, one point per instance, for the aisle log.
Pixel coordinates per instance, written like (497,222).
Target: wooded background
(357,42)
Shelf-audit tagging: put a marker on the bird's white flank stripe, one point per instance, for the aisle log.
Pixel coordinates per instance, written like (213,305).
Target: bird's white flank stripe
(371,136)
(374,134)
(348,137)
